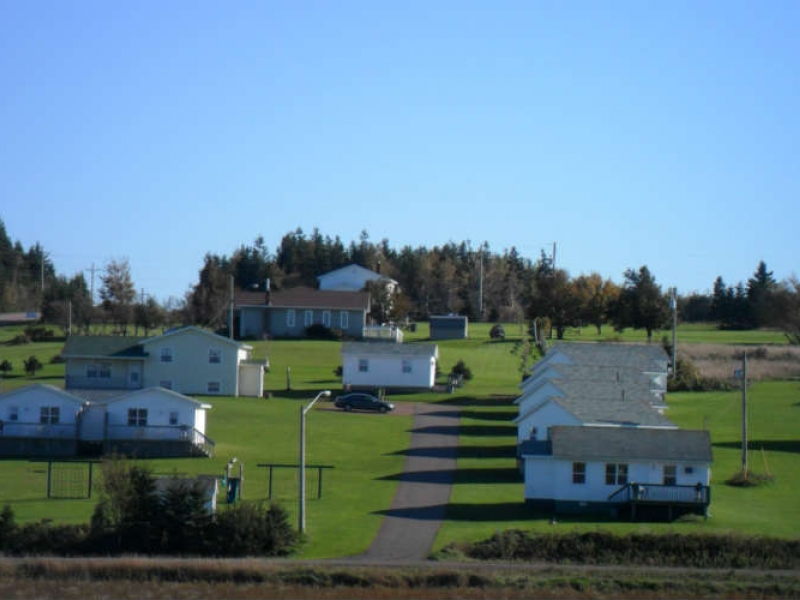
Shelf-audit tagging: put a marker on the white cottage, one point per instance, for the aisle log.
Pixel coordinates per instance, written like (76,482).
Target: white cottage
(156,414)
(382,365)
(38,412)
(619,469)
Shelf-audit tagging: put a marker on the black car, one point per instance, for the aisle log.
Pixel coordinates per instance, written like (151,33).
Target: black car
(361,401)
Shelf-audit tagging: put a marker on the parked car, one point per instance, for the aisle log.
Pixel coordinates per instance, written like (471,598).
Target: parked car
(361,401)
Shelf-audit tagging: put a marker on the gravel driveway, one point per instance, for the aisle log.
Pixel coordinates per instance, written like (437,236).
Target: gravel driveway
(409,527)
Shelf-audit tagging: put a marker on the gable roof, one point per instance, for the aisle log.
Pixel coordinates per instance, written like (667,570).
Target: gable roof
(192,329)
(605,412)
(103,346)
(43,387)
(159,391)
(623,443)
(646,357)
(389,349)
(305,297)
(249,298)
(358,271)
(595,390)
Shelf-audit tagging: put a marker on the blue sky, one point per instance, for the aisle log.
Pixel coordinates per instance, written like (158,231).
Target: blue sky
(629,133)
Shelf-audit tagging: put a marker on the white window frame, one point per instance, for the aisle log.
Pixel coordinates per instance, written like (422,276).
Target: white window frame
(308,318)
(165,355)
(579,473)
(213,387)
(344,319)
(406,366)
(104,372)
(215,356)
(92,371)
(673,476)
(326,318)
(49,415)
(363,365)
(137,417)
(290,318)
(617,473)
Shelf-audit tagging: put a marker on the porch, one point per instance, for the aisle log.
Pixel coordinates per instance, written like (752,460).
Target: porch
(644,500)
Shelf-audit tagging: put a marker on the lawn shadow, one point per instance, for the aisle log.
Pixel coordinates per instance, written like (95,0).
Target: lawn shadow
(297,394)
(508,451)
(489,415)
(500,511)
(459,476)
(768,445)
(495,400)
(468,430)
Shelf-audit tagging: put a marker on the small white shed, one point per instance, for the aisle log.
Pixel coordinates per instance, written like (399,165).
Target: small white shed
(383,365)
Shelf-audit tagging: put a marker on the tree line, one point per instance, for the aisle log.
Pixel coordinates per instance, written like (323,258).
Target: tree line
(454,277)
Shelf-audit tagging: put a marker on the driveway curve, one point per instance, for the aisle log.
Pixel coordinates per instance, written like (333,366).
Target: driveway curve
(410,525)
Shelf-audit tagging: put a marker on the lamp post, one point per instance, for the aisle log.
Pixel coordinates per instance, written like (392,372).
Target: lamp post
(303,410)
(673,304)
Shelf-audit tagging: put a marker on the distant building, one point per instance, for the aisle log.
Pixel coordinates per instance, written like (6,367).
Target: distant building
(449,327)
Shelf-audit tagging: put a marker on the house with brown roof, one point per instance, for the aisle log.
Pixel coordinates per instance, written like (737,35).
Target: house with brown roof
(289,313)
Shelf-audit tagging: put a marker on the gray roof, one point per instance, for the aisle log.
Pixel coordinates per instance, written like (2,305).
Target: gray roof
(646,357)
(106,346)
(622,374)
(614,412)
(383,348)
(590,389)
(624,443)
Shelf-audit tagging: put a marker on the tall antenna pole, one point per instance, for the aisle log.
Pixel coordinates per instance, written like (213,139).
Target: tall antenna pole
(554,257)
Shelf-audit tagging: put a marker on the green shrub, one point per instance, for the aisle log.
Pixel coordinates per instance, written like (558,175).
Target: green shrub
(253,530)
(318,331)
(461,369)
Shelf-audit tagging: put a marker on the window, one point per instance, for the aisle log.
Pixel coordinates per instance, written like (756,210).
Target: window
(363,365)
(344,319)
(326,318)
(91,371)
(406,366)
(137,417)
(173,417)
(670,475)
(134,377)
(578,472)
(214,356)
(213,387)
(166,355)
(105,371)
(616,474)
(49,415)
(308,318)
(688,470)
(166,384)
(290,317)
(13,413)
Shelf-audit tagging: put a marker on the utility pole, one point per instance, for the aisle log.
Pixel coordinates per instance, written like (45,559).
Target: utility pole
(480,284)
(69,318)
(554,257)
(230,306)
(744,414)
(673,304)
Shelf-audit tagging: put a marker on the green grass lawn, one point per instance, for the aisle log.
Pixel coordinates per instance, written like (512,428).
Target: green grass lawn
(366,450)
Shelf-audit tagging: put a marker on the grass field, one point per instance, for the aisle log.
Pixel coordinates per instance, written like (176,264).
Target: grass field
(366,450)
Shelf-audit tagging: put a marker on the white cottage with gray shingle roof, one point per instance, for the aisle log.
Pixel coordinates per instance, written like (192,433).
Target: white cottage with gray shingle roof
(619,469)
(384,365)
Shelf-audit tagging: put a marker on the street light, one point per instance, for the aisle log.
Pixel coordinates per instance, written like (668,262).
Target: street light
(303,410)
(673,305)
